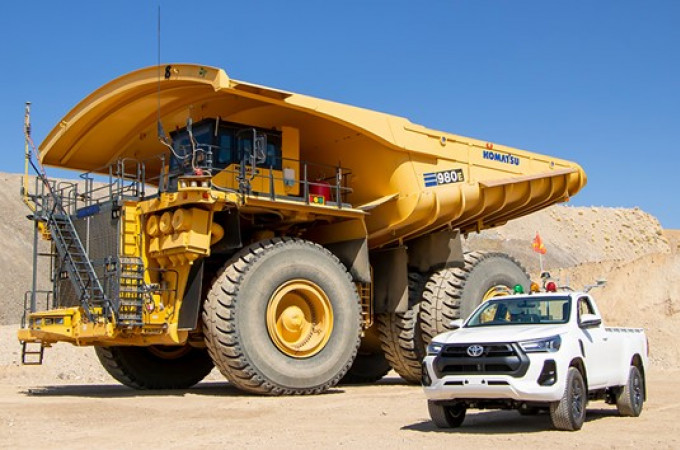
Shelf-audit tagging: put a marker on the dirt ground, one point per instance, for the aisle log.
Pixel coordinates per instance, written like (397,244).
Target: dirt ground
(386,415)
(70,401)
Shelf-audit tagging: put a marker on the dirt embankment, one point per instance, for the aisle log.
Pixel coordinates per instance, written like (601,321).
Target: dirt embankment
(576,235)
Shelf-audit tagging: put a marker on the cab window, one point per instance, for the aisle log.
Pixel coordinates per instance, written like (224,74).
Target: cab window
(584,306)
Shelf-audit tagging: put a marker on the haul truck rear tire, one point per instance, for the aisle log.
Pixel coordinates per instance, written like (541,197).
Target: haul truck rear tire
(400,334)
(156,367)
(367,368)
(370,364)
(283,317)
(453,293)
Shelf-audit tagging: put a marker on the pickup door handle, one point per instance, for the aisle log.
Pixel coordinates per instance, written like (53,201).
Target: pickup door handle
(605,339)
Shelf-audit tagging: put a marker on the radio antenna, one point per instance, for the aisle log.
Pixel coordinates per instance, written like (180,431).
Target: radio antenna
(161,133)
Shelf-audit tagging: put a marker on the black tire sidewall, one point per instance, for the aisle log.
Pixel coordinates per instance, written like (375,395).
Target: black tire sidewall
(493,270)
(140,368)
(575,376)
(276,267)
(636,409)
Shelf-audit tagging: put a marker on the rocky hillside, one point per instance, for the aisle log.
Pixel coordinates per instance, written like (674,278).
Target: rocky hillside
(576,235)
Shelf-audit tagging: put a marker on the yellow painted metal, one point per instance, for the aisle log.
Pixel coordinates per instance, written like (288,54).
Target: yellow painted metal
(392,161)
(387,155)
(71,325)
(496,291)
(299,318)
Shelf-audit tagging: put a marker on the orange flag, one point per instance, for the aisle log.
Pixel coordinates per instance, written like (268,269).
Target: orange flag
(537,245)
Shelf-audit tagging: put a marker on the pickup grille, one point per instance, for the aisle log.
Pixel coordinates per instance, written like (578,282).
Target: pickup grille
(495,359)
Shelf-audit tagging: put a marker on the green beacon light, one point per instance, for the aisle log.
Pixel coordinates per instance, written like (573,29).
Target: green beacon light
(518,289)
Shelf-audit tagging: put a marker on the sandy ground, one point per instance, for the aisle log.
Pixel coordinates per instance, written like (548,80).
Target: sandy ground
(70,401)
(386,415)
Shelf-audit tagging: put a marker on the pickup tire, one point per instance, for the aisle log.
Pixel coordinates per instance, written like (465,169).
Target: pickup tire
(570,412)
(156,367)
(400,334)
(283,317)
(631,397)
(453,293)
(447,416)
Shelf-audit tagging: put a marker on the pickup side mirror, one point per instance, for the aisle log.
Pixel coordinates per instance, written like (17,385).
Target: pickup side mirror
(455,324)
(589,321)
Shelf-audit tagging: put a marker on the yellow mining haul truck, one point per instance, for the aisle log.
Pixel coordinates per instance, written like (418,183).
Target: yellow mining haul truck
(290,241)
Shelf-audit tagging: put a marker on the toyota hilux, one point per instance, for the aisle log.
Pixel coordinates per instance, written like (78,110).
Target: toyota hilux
(535,352)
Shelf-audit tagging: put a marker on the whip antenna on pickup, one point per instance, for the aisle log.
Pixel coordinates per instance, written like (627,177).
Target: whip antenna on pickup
(598,283)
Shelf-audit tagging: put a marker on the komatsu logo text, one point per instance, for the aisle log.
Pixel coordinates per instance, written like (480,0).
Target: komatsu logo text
(500,157)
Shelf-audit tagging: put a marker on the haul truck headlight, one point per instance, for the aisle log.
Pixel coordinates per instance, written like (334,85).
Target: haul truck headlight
(551,344)
(434,348)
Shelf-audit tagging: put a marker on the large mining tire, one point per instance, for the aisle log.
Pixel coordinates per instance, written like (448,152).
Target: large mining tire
(370,365)
(156,367)
(400,334)
(453,293)
(283,317)
(367,368)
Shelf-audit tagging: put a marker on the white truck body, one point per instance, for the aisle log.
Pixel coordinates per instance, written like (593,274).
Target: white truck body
(522,359)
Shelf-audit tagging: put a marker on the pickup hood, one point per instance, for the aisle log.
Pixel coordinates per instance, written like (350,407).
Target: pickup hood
(502,333)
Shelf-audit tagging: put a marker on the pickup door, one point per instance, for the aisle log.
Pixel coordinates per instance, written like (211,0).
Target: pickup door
(599,351)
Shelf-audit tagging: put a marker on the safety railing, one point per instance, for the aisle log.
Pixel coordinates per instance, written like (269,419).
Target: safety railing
(311,181)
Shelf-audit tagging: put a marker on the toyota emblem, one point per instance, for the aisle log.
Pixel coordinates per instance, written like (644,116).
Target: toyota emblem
(475,350)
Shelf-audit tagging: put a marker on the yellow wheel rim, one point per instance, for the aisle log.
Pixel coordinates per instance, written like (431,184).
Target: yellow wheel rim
(299,318)
(495,291)
(168,352)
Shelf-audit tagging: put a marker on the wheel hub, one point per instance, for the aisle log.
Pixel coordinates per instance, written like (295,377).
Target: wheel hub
(293,319)
(299,318)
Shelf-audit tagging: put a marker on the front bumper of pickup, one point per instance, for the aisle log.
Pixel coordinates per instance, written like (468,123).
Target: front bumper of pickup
(527,387)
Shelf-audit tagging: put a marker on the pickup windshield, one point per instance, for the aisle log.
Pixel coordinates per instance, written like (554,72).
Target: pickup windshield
(522,311)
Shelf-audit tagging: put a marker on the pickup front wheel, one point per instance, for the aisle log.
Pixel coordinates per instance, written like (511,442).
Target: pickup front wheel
(570,412)
(447,416)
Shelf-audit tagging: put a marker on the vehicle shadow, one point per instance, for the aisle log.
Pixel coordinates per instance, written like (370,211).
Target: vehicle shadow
(505,422)
(206,388)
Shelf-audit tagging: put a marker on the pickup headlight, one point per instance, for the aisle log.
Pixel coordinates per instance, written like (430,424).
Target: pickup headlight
(550,344)
(434,348)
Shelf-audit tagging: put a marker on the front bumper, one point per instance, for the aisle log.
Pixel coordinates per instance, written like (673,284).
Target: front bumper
(525,388)
(71,325)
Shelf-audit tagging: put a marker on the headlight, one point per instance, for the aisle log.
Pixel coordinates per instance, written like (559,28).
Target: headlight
(434,348)
(550,344)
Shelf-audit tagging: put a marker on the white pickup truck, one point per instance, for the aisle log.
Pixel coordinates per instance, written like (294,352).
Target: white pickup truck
(531,353)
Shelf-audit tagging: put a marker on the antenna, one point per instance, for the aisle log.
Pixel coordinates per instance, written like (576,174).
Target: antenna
(161,132)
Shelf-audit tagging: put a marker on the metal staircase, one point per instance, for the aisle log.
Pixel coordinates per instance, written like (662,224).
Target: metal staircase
(72,253)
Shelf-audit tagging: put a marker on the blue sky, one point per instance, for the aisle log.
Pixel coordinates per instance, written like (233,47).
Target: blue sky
(596,82)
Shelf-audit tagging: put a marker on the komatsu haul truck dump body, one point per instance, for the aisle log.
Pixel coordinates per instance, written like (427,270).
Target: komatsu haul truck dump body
(290,241)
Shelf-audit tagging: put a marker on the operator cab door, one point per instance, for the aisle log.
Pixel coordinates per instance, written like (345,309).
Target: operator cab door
(596,346)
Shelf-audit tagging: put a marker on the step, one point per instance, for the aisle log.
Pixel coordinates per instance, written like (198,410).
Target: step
(30,356)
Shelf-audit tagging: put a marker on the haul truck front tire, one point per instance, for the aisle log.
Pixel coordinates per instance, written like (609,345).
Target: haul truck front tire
(283,317)
(453,293)
(156,367)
